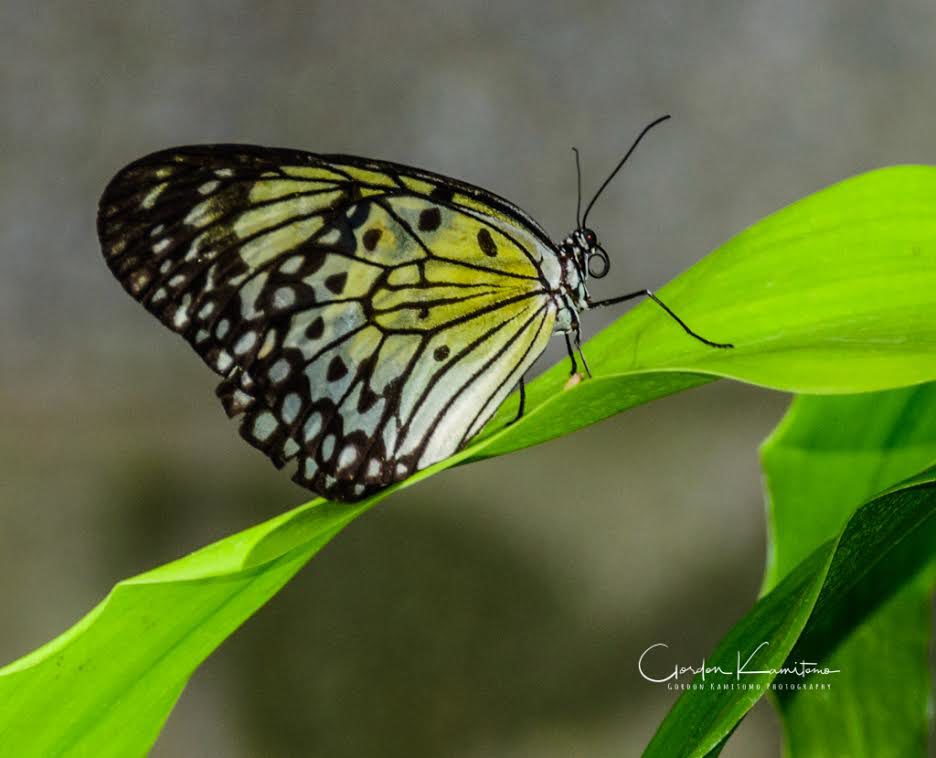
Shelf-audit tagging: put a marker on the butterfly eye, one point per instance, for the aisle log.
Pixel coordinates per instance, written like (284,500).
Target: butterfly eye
(598,263)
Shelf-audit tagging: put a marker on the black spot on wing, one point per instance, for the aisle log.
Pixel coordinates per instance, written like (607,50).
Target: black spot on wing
(442,194)
(371,238)
(336,369)
(336,282)
(486,243)
(429,219)
(315,329)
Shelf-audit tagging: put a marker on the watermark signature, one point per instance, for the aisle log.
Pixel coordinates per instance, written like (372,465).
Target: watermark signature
(656,667)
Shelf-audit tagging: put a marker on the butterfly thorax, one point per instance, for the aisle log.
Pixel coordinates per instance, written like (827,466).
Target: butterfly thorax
(576,253)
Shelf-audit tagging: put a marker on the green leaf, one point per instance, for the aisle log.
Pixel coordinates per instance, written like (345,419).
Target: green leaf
(827,456)
(885,546)
(106,686)
(835,294)
(800,294)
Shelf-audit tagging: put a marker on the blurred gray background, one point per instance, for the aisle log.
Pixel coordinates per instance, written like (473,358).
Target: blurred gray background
(498,609)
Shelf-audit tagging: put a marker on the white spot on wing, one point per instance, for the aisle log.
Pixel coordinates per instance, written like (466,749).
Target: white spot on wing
(180,319)
(264,425)
(330,237)
(279,371)
(201,214)
(347,457)
(150,200)
(246,341)
(291,265)
(292,403)
(367,421)
(269,342)
(313,426)
(390,432)
(284,297)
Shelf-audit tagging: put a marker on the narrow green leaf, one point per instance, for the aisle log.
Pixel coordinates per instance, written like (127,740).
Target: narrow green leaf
(827,456)
(842,581)
(835,294)
(799,294)
(106,686)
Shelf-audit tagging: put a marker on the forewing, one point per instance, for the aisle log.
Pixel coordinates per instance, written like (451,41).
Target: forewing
(367,318)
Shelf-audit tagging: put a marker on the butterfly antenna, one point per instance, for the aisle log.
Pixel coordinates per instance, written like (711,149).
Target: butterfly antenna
(617,168)
(578,202)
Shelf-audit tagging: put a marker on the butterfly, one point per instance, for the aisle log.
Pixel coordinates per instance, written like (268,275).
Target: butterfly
(367,318)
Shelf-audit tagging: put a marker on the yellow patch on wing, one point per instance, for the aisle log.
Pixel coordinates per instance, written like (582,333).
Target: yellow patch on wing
(503,222)
(466,201)
(382,240)
(272,244)
(313,172)
(450,272)
(404,275)
(366,176)
(363,345)
(255,220)
(271,189)
(358,278)
(434,307)
(419,186)
(463,238)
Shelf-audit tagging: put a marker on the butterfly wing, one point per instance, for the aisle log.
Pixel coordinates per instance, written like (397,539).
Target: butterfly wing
(367,318)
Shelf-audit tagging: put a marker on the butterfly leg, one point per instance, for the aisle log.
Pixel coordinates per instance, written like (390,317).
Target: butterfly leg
(522,407)
(571,350)
(521,385)
(578,346)
(665,307)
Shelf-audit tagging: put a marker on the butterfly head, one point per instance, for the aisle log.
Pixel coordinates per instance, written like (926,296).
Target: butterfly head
(582,257)
(591,256)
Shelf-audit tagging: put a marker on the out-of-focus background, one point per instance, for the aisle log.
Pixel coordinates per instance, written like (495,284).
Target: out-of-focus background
(497,609)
